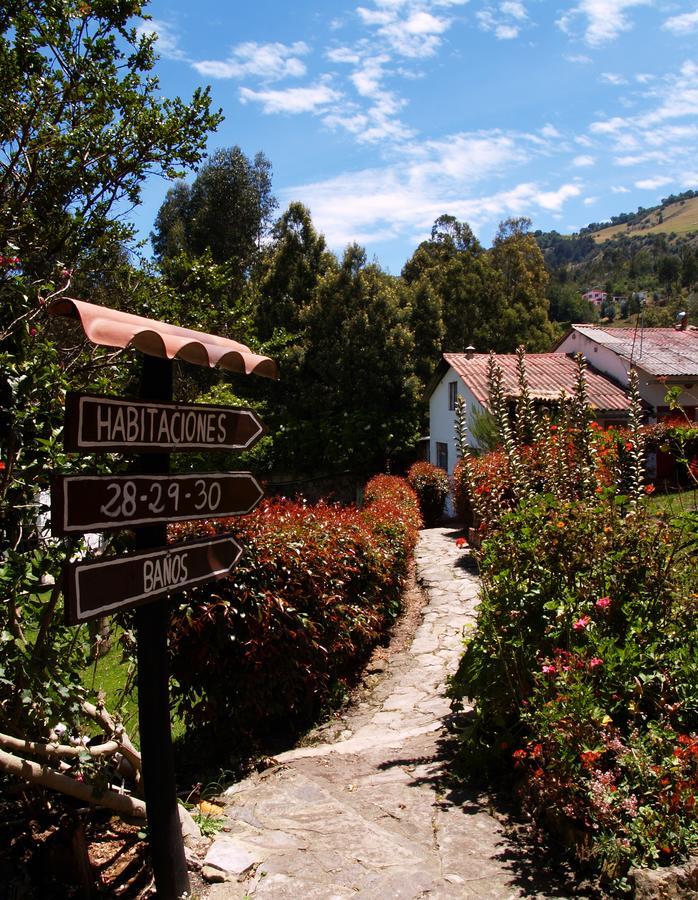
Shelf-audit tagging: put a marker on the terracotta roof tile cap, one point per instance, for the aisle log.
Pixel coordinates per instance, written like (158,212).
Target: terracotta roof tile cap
(114,328)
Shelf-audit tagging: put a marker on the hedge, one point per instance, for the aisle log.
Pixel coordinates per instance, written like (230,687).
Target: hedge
(268,647)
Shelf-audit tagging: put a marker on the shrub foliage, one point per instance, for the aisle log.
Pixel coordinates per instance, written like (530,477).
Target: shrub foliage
(317,586)
(430,484)
(584,663)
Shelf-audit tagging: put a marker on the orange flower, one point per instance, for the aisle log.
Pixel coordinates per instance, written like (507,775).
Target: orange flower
(649,488)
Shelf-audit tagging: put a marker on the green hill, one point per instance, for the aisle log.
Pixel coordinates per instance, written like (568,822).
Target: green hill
(678,217)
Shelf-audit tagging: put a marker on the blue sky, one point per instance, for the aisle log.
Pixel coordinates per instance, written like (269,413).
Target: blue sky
(384,114)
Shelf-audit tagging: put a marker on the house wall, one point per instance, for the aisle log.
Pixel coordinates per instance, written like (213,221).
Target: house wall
(599,357)
(442,420)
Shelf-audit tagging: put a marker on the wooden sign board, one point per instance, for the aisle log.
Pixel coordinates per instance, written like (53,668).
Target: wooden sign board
(100,587)
(135,426)
(81,503)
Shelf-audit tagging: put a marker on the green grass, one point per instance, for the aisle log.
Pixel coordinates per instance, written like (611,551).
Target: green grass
(115,677)
(675,503)
(680,218)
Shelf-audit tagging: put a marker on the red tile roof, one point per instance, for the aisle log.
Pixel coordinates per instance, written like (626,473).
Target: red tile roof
(548,375)
(658,351)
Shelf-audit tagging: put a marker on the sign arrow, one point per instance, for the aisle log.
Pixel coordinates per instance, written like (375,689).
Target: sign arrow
(81,503)
(100,587)
(113,425)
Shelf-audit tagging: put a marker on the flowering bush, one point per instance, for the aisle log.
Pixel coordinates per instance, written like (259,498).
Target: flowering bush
(430,484)
(316,587)
(584,664)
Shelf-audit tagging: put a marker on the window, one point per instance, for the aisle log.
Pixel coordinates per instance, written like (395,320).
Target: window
(452,394)
(442,456)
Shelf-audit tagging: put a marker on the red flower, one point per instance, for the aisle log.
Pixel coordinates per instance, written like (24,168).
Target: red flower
(603,602)
(581,623)
(596,661)
(460,542)
(589,757)
(649,488)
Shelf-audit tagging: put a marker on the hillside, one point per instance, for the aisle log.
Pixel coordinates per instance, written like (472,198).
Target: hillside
(678,217)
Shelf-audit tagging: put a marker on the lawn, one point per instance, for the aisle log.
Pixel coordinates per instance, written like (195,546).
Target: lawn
(115,676)
(677,502)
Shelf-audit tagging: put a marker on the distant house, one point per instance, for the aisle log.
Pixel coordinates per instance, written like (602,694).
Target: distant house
(549,374)
(595,297)
(662,356)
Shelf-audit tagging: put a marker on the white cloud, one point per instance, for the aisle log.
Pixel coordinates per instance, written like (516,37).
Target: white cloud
(613,78)
(579,58)
(415,36)
(690,180)
(343,55)
(402,199)
(555,200)
(504,19)
(590,201)
(619,189)
(292,100)
(651,184)
(167,43)
(583,161)
(604,19)
(269,62)
(514,8)
(683,24)
(550,131)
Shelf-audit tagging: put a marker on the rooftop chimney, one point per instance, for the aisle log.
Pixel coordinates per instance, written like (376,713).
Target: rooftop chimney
(681,323)
(469,351)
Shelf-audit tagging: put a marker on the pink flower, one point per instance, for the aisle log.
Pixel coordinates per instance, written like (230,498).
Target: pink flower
(603,602)
(593,663)
(549,669)
(581,623)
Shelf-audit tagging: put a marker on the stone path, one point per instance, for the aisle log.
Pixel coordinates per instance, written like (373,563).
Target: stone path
(370,813)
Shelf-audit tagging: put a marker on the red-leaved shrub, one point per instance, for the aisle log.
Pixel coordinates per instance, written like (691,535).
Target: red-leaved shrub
(267,647)
(430,484)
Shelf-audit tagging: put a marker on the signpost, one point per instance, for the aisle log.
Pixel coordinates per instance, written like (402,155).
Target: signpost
(153,426)
(81,503)
(129,426)
(104,586)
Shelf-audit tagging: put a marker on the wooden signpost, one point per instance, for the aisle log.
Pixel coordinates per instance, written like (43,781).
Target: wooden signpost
(146,501)
(135,426)
(103,586)
(81,503)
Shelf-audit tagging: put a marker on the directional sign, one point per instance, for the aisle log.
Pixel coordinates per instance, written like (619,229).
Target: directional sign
(81,503)
(100,587)
(130,426)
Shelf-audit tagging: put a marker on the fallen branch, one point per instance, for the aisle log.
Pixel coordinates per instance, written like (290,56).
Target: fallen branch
(54,749)
(123,804)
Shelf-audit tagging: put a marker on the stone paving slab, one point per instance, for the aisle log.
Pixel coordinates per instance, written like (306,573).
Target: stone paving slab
(368,814)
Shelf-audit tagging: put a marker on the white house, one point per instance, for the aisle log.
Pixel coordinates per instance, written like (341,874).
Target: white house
(662,356)
(549,374)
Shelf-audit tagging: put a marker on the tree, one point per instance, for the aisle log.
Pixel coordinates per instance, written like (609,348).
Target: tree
(82,123)
(517,257)
(356,398)
(689,267)
(426,323)
(226,210)
(290,270)
(668,270)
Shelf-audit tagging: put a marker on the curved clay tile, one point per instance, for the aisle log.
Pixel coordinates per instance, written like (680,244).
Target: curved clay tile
(113,328)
